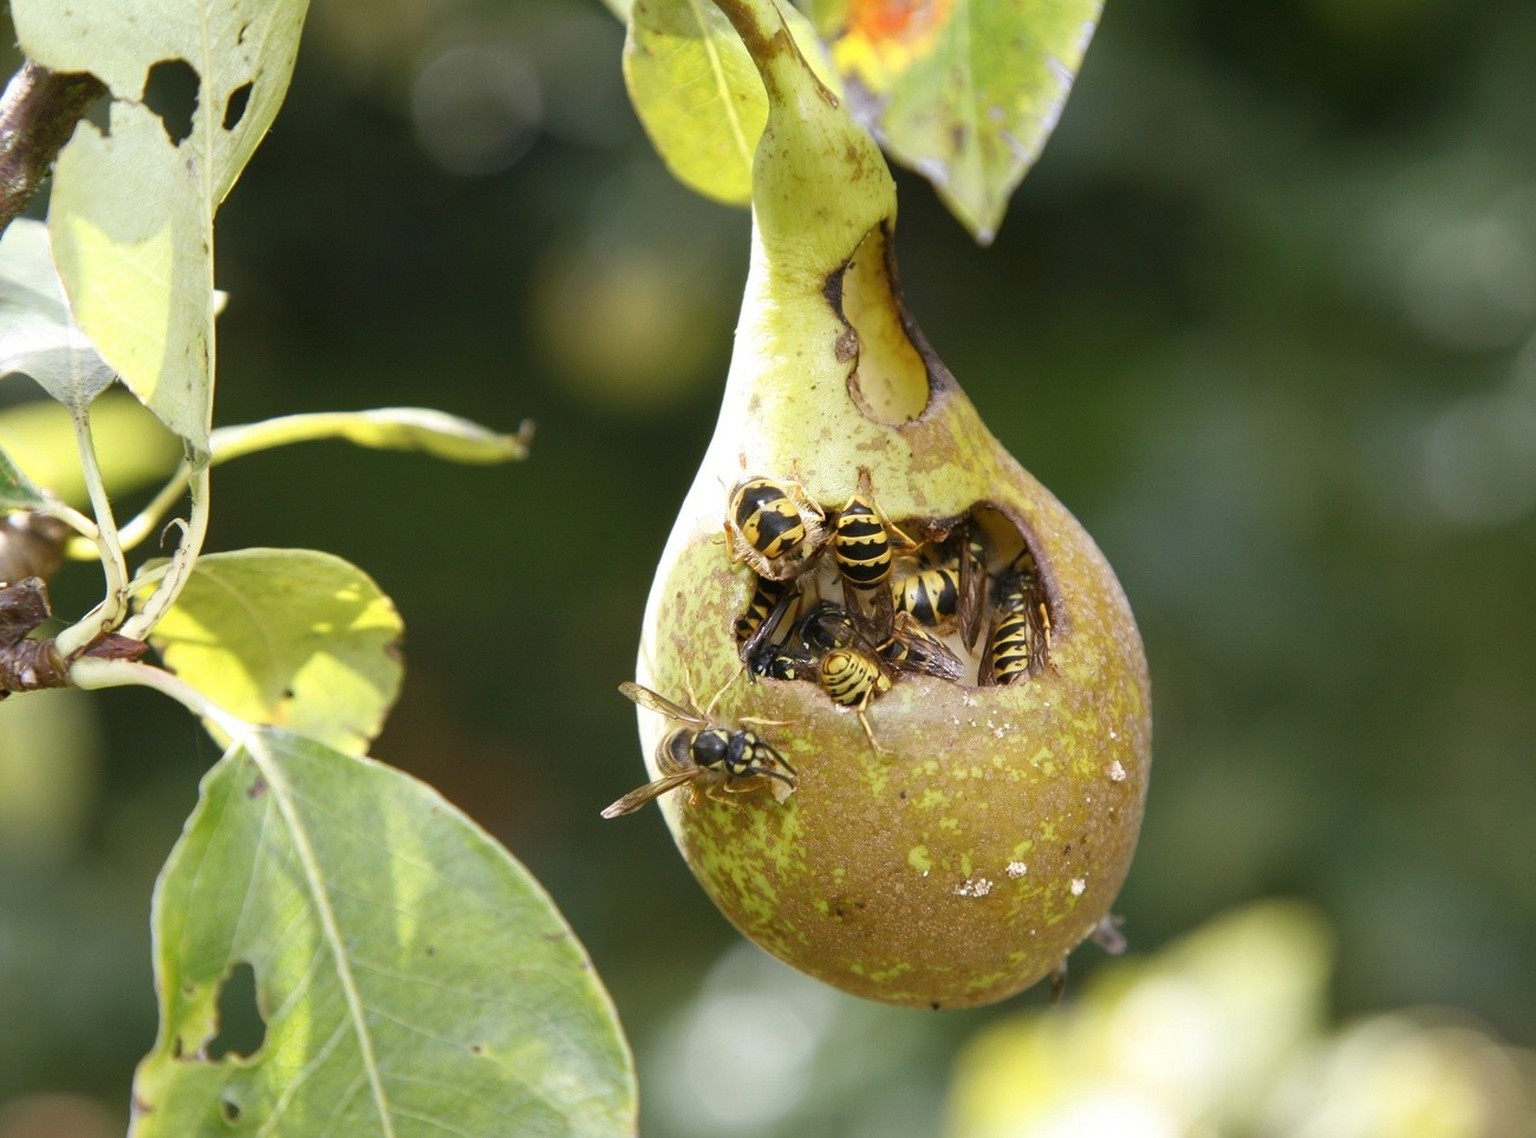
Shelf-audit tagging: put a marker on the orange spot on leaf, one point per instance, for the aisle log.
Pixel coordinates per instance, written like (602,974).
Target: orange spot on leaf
(883,38)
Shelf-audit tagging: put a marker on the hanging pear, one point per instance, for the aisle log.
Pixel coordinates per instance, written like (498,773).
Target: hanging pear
(904,731)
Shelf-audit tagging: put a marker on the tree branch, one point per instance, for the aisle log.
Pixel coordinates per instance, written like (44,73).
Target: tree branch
(38,113)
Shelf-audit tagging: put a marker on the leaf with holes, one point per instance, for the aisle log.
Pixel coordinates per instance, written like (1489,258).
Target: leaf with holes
(295,638)
(965,92)
(697,92)
(413,980)
(38,337)
(194,86)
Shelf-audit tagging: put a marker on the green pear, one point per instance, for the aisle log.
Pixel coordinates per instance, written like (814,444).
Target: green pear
(948,842)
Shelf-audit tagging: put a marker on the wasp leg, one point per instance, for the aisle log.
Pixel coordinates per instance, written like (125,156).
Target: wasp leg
(869,732)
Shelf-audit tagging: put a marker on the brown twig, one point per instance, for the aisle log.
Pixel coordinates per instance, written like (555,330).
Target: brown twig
(38,113)
(28,664)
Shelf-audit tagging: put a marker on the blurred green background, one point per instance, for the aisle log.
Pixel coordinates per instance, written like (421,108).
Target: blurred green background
(1263,316)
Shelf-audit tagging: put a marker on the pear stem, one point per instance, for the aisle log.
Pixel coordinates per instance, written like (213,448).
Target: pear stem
(819,182)
(822,366)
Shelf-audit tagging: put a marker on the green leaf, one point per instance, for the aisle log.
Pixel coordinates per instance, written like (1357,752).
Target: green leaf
(698,94)
(38,337)
(16,490)
(386,428)
(131,212)
(413,980)
(131,447)
(965,92)
(289,637)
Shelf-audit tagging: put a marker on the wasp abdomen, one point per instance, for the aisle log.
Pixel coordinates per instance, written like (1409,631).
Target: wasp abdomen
(862,545)
(767,518)
(765,596)
(851,678)
(1011,650)
(931,597)
(773,526)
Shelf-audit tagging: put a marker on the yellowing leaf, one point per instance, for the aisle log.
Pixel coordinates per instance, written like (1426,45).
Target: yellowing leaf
(698,94)
(289,637)
(131,214)
(884,38)
(965,92)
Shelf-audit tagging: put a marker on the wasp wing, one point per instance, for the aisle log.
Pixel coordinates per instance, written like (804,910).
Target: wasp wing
(761,634)
(972,588)
(922,652)
(649,700)
(642,794)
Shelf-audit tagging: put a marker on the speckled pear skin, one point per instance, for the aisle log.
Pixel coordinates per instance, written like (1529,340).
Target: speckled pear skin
(963,862)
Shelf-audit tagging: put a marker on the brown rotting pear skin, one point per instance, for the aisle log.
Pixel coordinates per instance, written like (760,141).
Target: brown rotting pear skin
(991,830)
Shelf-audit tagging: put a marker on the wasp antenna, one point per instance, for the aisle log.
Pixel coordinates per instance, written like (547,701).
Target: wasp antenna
(756,722)
(693,697)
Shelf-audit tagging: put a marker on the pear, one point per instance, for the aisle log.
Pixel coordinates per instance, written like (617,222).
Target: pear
(949,837)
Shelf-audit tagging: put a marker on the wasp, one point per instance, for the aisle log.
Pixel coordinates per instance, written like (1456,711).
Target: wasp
(863,541)
(773,526)
(783,662)
(764,601)
(852,678)
(948,592)
(865,545)
(825,626)
(1011,645)
(705,756)
(1022,575)
(908,647)
(1020,640)
(754,628)
(1023,578)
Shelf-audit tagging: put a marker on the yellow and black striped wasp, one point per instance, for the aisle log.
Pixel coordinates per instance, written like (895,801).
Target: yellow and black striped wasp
(773,526)
(852,678)
(948,589)
(767,601)
(1019,643)
(825,648)
(705,756)
(865,545)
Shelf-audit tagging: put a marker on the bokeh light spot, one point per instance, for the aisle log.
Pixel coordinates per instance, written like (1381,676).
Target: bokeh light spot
(476,108)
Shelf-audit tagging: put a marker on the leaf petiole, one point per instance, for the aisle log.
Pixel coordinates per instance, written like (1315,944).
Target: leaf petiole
(108,615)
(194,532)
(385,428)
(90,674)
